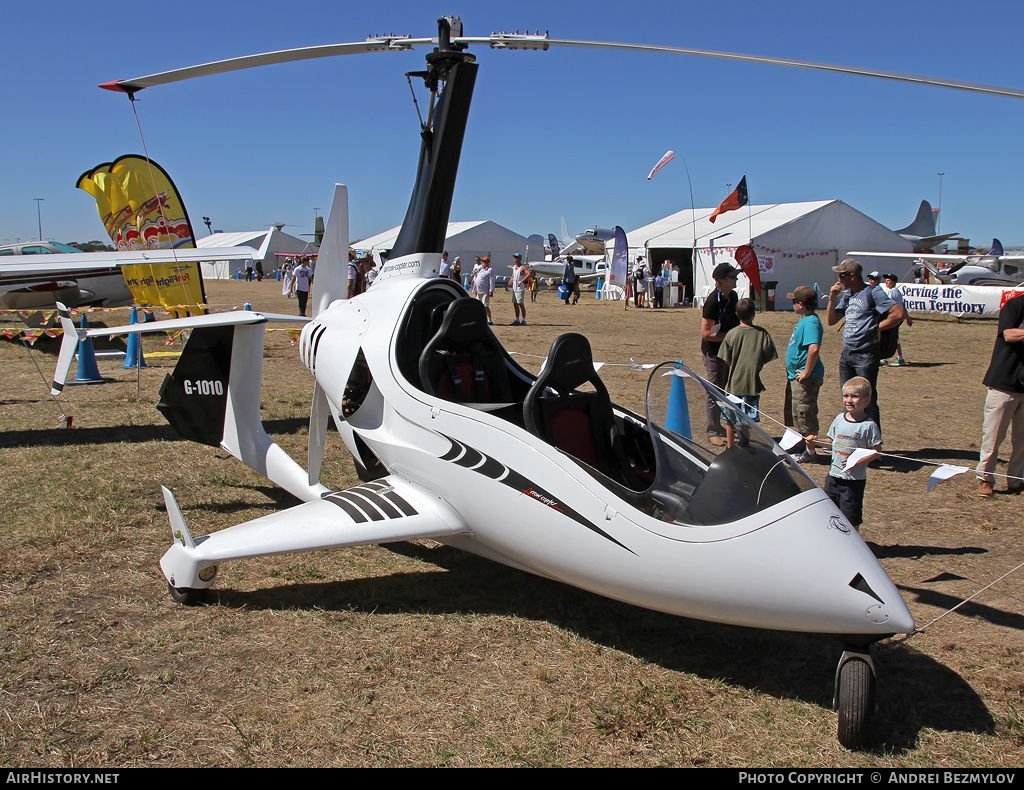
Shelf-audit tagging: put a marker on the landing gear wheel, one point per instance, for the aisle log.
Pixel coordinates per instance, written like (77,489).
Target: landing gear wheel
(855,699)
(188,596)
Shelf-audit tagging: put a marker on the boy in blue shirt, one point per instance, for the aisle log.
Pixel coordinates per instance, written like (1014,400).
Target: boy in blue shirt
(804,369)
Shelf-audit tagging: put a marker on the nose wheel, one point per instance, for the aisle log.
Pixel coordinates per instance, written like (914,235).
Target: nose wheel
(855,697)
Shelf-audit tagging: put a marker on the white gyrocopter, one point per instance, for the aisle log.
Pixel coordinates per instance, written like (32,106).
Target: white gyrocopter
(455,442)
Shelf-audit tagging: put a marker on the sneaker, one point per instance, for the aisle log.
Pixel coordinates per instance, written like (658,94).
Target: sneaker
(984,488)
(515,323)
(806,458)
(523,322)
(898,363)
(490,322)
(716,441)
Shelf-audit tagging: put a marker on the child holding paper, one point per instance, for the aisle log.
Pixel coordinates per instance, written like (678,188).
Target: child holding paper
(855,441)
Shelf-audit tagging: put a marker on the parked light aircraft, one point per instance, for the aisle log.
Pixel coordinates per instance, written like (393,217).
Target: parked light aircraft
(37,281)
(992,268)
(455,442)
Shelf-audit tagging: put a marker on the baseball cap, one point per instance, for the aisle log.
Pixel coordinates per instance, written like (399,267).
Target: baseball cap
(724,270)
(806,295)
(849,266)
(874,276)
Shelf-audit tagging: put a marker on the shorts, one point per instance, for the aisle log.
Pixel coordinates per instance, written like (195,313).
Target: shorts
(484,297)
(848,496)
(518,297)
(749,405)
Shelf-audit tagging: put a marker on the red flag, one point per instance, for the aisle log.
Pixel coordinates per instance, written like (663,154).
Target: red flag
(734,201)
(747,260)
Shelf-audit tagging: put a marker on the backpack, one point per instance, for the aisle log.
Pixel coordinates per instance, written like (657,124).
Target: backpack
(890,338)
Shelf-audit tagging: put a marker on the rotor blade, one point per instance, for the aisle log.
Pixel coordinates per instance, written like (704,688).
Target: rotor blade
(803,64)
(527,42)
(396,44)
(318,416)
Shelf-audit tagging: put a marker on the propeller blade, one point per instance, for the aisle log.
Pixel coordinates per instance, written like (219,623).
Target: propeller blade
(318,417)
(519,41)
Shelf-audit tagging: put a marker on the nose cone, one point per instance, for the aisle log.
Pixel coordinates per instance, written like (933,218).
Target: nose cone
(834,578)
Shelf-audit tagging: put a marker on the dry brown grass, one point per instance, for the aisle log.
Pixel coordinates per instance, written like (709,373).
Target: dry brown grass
(420,655)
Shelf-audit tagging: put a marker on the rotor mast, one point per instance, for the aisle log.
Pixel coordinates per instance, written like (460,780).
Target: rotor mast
(450,78)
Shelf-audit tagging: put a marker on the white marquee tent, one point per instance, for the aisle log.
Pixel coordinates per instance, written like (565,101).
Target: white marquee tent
(795,243)
(466,240)
(277,242)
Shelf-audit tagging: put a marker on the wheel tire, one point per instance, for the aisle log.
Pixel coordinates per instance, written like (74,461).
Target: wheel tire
(856,703)
(188,596)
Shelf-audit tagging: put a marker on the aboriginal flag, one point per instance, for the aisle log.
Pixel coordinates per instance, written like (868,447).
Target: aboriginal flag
(734,201)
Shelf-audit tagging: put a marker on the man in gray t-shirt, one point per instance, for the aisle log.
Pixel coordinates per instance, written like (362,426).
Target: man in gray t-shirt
(868,311)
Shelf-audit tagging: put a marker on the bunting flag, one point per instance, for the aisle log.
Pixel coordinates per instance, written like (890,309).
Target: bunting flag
(668,157)
(734,201)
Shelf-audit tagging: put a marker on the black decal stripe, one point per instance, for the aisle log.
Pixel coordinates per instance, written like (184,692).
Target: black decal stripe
(370,493)
(455,451)
(523,485)
(316,345)
(353,512)
(356,501)
(860,584)
(370,499)
(404,506)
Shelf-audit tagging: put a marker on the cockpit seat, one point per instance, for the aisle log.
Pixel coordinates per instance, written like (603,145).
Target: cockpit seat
(464,362)
(581,424)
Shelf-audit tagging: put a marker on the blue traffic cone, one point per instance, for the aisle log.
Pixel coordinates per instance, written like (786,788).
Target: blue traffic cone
(133,356)
(88,372)
(678,417)
(248,306)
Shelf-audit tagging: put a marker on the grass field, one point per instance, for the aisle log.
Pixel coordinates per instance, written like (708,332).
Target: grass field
(420,655)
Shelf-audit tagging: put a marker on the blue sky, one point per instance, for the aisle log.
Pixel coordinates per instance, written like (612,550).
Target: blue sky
(567,132)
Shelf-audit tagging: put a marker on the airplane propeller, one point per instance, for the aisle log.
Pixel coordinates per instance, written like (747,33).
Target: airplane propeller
(319,414)
(525,42)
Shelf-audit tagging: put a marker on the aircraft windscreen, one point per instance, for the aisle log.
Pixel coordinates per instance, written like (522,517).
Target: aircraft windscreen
(698,482)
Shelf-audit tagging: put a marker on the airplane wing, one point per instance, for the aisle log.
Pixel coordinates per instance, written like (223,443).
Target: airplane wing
(70,262)
(927,256)
(383,511)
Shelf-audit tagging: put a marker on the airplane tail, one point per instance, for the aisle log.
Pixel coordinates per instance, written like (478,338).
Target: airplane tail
(924,222)
(997,248)
(213,397)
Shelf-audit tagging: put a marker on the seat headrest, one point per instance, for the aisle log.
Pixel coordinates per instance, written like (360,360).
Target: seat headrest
(465,322)
(570,363)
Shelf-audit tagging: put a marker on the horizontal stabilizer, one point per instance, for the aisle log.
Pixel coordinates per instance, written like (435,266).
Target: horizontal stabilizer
(384,511)
(68,346)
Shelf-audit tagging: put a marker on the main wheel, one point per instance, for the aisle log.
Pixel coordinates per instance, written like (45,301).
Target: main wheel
(856,702)
(188,596)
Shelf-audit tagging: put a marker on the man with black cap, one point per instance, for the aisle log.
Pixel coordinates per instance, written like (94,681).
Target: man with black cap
(868,312)
(717,318)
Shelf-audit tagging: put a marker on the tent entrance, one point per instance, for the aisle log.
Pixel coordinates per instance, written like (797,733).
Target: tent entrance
(681,257)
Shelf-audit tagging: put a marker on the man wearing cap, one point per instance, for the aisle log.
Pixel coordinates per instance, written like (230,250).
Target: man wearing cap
(717,318)
(868,312)
(804,369)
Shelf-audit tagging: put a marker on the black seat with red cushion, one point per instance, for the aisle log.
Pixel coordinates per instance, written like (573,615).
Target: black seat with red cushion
(578,423)
(464,362)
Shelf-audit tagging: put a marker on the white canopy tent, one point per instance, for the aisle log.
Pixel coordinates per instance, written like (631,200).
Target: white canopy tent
(795,243)
(466,240)
(268,242)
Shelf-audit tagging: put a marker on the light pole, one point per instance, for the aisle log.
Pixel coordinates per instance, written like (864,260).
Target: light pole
(938,221)
(39,216)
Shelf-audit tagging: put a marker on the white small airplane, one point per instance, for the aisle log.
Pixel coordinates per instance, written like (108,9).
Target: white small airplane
(456,442)
(37,281)
(587,267)
(992,268)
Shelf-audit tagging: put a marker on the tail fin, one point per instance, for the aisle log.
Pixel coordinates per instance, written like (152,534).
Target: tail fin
(997,248)
(68,346)
(924,222)
(213,397)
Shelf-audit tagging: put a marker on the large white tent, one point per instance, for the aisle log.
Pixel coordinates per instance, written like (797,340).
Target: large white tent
(272,249)
(466,240)
(795,243)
